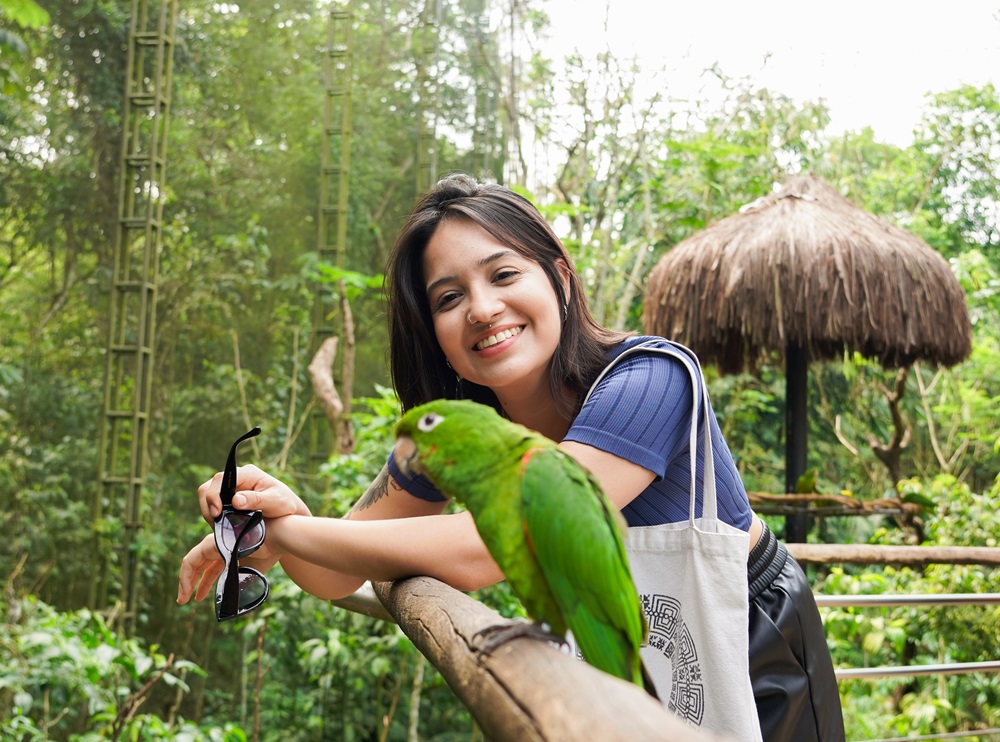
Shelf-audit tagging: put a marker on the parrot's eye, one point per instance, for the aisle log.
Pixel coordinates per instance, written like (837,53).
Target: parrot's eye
(429,421)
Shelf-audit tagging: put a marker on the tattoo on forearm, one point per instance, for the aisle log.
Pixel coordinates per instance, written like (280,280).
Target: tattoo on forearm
(378,489)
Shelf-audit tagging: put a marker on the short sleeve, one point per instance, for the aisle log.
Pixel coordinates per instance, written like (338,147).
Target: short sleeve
(640,411)
(418,485)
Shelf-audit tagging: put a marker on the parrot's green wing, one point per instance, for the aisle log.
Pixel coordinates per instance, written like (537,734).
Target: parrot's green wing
(573,531)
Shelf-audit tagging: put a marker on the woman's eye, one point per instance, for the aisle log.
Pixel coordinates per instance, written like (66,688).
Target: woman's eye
(506,274)
(444,300)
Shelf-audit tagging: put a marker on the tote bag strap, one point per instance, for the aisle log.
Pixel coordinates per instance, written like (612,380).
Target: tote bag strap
(699,401)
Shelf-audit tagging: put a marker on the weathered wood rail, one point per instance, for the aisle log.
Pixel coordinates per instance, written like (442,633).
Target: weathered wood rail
(525,690)
(913,556)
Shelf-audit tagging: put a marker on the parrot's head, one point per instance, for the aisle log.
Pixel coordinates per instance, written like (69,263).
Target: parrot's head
(452,440)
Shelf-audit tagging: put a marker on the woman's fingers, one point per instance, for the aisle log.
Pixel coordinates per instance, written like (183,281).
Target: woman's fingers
(273,503)
(207,583)
(208,498)
(258,490)
(200,567)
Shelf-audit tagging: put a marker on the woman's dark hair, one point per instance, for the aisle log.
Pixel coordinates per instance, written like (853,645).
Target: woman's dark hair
(420,372)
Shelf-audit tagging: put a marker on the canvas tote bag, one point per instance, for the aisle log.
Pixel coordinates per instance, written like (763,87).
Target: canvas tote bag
(692,579)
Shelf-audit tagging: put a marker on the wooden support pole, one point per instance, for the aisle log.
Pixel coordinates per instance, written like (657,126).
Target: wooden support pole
(796,434)
(525,689)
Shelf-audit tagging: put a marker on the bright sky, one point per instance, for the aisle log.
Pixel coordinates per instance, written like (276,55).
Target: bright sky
(872,61)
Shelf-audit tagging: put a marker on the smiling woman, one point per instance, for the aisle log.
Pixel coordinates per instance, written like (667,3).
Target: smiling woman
(485,305)
(459,229)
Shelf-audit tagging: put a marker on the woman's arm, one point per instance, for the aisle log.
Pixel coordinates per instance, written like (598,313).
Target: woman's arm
(621,480)
(331,557)
(388,534)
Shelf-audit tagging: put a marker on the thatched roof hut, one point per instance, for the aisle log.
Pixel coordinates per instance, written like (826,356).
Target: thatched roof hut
(805,267)
(807,274)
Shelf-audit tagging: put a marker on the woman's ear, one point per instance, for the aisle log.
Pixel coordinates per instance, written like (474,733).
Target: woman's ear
(565,273)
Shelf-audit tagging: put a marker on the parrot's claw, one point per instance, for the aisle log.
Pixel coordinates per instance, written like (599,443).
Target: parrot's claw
(487,640)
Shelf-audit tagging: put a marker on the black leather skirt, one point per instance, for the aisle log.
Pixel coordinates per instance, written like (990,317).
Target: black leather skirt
(791,671)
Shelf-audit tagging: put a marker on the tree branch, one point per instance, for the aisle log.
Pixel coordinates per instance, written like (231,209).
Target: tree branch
(891,453)
(321,375)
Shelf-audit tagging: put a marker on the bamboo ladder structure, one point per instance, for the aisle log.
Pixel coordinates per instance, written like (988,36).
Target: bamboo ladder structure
(124,432)
(330,425)
(485,136)
(428,91)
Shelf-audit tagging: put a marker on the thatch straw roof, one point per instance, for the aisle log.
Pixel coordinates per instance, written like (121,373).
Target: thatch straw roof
(806,267)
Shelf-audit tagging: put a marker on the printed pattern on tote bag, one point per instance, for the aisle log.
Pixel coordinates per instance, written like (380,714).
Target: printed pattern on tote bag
(669,635)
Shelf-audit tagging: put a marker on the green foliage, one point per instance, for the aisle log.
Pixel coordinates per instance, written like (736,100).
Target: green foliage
(960,133)
(68,676)
(237,282)
(750,408)
(346,477)
(28,15)
(25,13)
(870,637)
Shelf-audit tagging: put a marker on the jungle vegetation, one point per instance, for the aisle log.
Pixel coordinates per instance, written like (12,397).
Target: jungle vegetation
(623,177)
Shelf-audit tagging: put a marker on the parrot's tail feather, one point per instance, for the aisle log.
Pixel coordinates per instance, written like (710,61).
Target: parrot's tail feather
(492,637)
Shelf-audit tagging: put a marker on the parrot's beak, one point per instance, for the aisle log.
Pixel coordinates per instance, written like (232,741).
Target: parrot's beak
(406,457)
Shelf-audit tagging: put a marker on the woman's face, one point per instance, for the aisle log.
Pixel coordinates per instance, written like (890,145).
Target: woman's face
(516,317)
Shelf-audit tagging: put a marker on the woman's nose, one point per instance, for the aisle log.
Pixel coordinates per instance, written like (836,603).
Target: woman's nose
(484,306)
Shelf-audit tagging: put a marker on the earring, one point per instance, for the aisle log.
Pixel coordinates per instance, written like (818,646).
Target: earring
(565,311)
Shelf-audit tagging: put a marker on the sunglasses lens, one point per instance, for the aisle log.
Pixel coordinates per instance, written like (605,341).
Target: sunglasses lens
(247,527)
(251,590)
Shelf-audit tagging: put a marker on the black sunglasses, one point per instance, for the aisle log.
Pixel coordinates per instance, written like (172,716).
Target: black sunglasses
(238,534)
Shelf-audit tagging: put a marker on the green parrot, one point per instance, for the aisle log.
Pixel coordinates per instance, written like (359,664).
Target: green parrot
(545,521)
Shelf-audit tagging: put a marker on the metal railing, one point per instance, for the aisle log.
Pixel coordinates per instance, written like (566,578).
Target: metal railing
(895,601)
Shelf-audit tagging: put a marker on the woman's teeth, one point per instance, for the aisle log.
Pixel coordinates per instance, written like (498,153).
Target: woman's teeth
(498,338)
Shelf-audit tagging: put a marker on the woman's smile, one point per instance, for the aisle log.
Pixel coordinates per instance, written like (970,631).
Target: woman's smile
(497,338)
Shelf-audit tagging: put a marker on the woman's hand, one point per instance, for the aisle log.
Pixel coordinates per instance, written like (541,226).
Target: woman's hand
(202,566)
(255,490)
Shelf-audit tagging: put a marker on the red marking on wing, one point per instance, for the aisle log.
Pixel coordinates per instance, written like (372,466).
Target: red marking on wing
(527,457)
(524,523)
(527,538)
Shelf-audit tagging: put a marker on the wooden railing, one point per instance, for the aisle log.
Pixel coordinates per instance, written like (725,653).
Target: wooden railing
(524,690)
(910,556)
